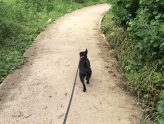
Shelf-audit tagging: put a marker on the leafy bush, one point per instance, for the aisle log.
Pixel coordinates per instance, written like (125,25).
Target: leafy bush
(143,19)
(124,10)
(135,29)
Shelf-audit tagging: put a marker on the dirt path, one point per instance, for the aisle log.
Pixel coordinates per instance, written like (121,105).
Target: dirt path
(38,92)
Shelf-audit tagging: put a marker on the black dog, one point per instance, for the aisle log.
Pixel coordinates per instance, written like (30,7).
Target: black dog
(84,68)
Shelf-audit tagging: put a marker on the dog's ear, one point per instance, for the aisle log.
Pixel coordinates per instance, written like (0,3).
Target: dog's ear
(86,51)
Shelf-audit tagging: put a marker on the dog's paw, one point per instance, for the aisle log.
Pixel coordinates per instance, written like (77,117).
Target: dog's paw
(84,90)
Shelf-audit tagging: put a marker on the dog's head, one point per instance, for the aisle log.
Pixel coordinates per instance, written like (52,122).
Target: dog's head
(83,53)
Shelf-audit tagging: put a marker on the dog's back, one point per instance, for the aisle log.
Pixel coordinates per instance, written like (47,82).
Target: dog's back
(84,67)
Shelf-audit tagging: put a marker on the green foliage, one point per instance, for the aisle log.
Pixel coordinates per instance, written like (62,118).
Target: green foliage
(124,10)
(143,20)
(95,1)
(39,5)
(135,30)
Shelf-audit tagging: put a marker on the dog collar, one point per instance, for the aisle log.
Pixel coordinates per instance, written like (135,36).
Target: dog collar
(82,57)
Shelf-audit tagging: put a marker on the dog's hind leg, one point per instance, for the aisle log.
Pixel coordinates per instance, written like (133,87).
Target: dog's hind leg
(82,81)
(88,77)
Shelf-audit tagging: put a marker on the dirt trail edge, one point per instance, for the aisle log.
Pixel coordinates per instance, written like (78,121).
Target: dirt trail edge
(38,92)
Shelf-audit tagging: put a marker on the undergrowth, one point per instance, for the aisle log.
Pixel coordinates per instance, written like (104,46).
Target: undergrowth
(143,77)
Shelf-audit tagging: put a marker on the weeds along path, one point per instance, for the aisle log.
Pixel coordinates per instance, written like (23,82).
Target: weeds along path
(38,92)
